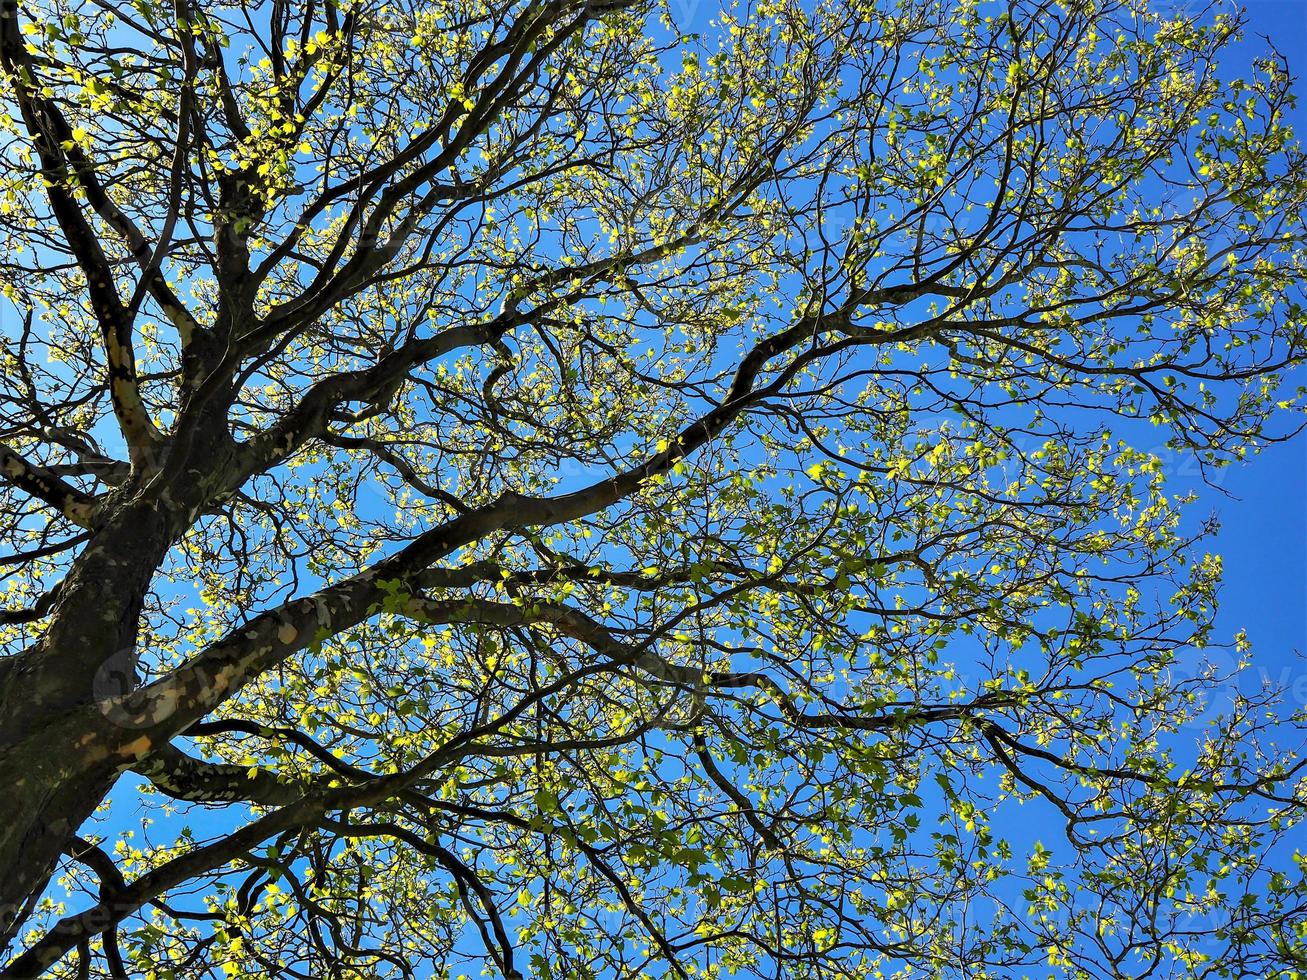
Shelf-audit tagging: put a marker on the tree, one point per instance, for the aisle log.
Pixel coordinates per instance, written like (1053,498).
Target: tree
(522,484)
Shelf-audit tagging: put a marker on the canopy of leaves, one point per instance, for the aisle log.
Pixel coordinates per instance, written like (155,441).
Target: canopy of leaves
(525,487)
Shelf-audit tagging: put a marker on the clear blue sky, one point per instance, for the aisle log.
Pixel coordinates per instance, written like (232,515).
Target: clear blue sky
(1263,536)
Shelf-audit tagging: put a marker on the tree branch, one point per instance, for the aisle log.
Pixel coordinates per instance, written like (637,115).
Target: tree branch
(50,132)
(184,777)
(45,485)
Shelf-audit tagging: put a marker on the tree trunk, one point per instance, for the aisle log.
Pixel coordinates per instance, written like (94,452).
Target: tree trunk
(59,752)
(53,780)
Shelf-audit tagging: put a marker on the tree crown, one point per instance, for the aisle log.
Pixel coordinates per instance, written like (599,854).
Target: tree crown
(588,498)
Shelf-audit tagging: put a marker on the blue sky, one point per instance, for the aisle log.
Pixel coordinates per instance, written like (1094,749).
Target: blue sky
(1263,536)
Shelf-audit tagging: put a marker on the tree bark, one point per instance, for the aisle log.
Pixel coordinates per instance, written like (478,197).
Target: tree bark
(59,751)
(53,779)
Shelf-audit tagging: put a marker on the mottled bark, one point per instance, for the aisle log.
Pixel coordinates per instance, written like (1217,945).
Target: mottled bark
(53,779)
(61,744)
